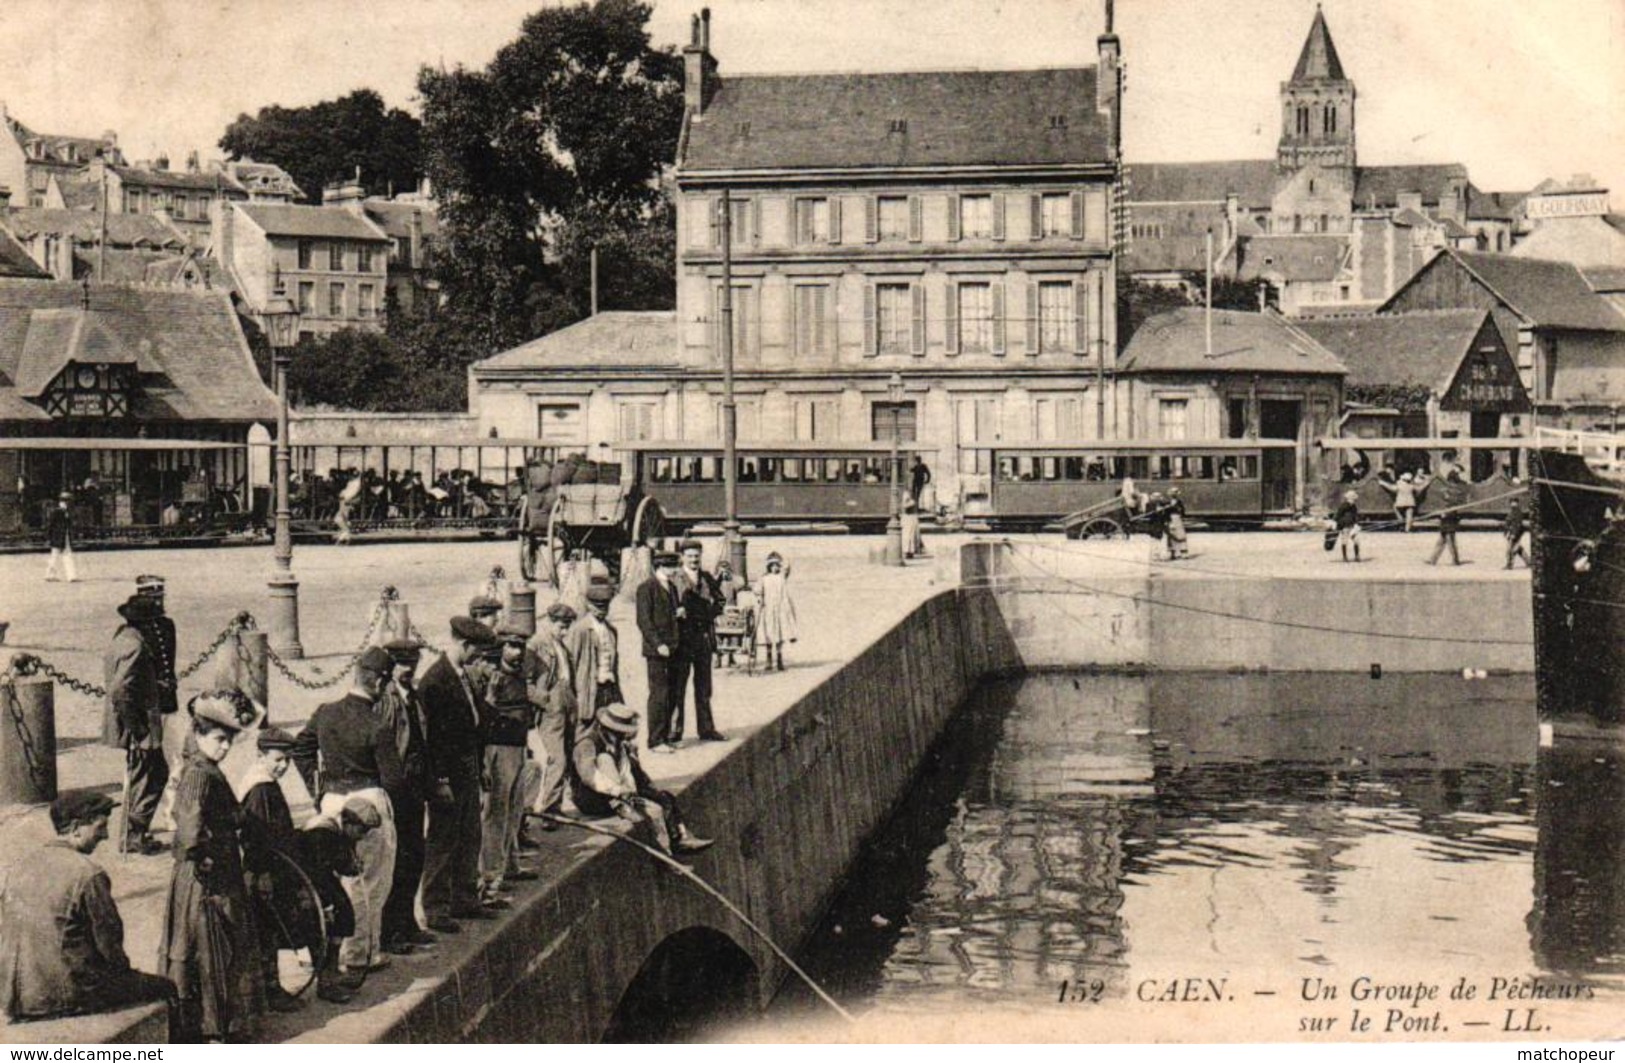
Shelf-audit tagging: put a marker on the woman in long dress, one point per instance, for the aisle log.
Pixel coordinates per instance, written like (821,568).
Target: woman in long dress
(210,943)
(776,611)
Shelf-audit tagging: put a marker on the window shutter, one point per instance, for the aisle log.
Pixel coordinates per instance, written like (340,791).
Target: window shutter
(998,317)
(714,214)
(1036,206)
(916,219)
(869,334)
(1077,215)
(1033,324)
(1080,315)
(829,335)
(716,322)
(871,219)
(998,215)
(756,221)
(804,324)
(834,219)
(953,217)
(917,336)
(951,319)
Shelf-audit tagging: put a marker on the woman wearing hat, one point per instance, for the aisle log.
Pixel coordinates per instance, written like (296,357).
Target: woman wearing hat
(210,944)
(776,618)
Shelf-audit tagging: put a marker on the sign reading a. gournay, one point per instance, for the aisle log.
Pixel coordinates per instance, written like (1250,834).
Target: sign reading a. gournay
(1486,382)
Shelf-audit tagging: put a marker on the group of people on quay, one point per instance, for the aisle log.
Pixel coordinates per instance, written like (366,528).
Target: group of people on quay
(426,785)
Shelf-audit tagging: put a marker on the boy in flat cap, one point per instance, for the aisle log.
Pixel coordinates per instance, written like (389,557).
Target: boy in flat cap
(657,601)
(595,650)
(133,719)
(402,712)
(450,691)
(358,758)
(268,830)
(61,938)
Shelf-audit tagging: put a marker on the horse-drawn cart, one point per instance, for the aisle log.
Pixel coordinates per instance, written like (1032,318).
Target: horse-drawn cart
(582,511)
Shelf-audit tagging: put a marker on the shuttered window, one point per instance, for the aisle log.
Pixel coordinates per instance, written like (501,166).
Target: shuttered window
(883,415)
(893,219)
(975,421)
(813,221)
(1171,418)
(1055,310)
(560,422)
(814,324)
(816,419)
(979,317)
(1059,418)
(1055,218)
(747,324)
(637,420)
(976,217)
(894,311)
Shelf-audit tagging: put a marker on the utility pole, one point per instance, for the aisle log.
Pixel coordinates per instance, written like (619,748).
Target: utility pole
(733,542)
(592,259)
(1208,313)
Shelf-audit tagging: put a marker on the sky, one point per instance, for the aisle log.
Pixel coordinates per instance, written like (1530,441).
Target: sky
(1519,90)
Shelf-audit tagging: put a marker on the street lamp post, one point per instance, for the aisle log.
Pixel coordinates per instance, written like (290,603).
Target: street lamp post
(894,523)
(733,539)
(281,319)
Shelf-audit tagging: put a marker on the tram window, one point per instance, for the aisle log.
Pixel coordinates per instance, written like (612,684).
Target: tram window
(854,470)
(770,470)
(832,470)
(791,471)
(710,471)
(685,468)
(874,470)
(747,470)
(1249,466)
(1049,469)
(1096,470)
(1072,468)
(660,470)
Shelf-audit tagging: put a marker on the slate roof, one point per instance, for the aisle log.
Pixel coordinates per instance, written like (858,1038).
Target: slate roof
(1421,348)
(333,223)
(396,218)
(617,339)
(1242,342)
(1294,258)
(1604,278)
(844,121)
(263,177)
(189,347)
(154,178)
(1182,247)
(1252,180)
(79,193)
(1493,206)
(14,260)
(1380,185)
(57,146)
(1318,60)
(123,230)
(1549,293)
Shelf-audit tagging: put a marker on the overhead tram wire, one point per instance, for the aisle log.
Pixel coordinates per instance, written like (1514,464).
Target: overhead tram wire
(716,895)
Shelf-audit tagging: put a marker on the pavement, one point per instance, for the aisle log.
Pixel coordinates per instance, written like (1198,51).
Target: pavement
(844,597)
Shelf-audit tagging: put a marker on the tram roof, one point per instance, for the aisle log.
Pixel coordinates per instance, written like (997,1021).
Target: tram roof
(439,443)
(1095,446)
(758,447)
(103,443)
(1424,443)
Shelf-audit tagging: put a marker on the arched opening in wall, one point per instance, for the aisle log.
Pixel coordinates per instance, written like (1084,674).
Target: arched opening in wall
(694,985)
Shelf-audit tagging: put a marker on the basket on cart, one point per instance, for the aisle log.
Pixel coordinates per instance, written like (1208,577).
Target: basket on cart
(592,515)
(735,630)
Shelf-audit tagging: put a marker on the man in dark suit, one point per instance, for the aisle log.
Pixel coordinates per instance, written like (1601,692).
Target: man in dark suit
(160,632)
(657,623)
(402,712)
(699,601)
(453,710)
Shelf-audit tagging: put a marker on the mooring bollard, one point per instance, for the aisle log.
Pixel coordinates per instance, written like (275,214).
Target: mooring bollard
(27,740)
(253,674)
(521,611)
(395,623)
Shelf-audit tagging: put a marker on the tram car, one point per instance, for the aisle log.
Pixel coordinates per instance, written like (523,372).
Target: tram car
(778,483)
(1488,474)
(1032,485)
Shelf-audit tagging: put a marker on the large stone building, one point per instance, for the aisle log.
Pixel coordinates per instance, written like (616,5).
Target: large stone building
(955,228)
(1315,227)
(30,159)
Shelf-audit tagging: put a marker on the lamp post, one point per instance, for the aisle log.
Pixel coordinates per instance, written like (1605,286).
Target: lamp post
(733,540)
(894,523)
(281,319)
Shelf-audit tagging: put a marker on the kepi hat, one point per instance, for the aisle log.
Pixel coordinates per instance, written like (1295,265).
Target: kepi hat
(689,544)
(150,585)
(483,605)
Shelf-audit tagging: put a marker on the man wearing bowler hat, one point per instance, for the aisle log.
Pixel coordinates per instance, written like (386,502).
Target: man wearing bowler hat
(452,707)
(133,720)
(657,603)
(61,938)
(357,757)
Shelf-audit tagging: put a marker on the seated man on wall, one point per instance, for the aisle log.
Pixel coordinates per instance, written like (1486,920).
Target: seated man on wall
(61,938)
(611,782)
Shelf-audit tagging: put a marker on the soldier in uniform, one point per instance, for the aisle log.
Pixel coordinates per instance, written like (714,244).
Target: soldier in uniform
(61,938)
(133,721)
(161,637)
(356,752)
(402,712)
(451,706)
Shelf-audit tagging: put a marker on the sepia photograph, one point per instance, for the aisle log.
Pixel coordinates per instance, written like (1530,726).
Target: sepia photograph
(812,522)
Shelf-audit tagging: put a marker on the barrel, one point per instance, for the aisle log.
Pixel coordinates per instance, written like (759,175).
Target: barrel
(27,741)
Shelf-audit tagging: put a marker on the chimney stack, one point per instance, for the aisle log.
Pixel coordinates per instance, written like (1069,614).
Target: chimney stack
(699,68)
(192,164)
(161,162)
(1109,75)
(346,194)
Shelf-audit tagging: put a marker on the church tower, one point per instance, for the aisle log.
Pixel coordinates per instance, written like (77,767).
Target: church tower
(1317,106)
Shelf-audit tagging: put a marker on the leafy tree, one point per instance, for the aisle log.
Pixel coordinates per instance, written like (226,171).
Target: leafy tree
(553,149)
(326,142)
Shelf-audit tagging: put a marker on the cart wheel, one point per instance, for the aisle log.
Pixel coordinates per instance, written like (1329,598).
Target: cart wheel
(300,923)
(649,523)
(1102,528)
(557,548)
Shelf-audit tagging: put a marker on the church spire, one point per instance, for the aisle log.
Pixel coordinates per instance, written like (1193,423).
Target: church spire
(1318,61)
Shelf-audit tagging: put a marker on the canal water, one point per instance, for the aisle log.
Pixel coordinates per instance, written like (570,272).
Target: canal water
(1085,840)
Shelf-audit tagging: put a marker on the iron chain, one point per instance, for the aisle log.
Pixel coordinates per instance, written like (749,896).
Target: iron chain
(28,664)
(31,756)
(366,639)
(240,622)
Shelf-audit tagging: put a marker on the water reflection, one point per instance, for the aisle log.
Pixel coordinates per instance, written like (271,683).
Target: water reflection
(1102,830)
